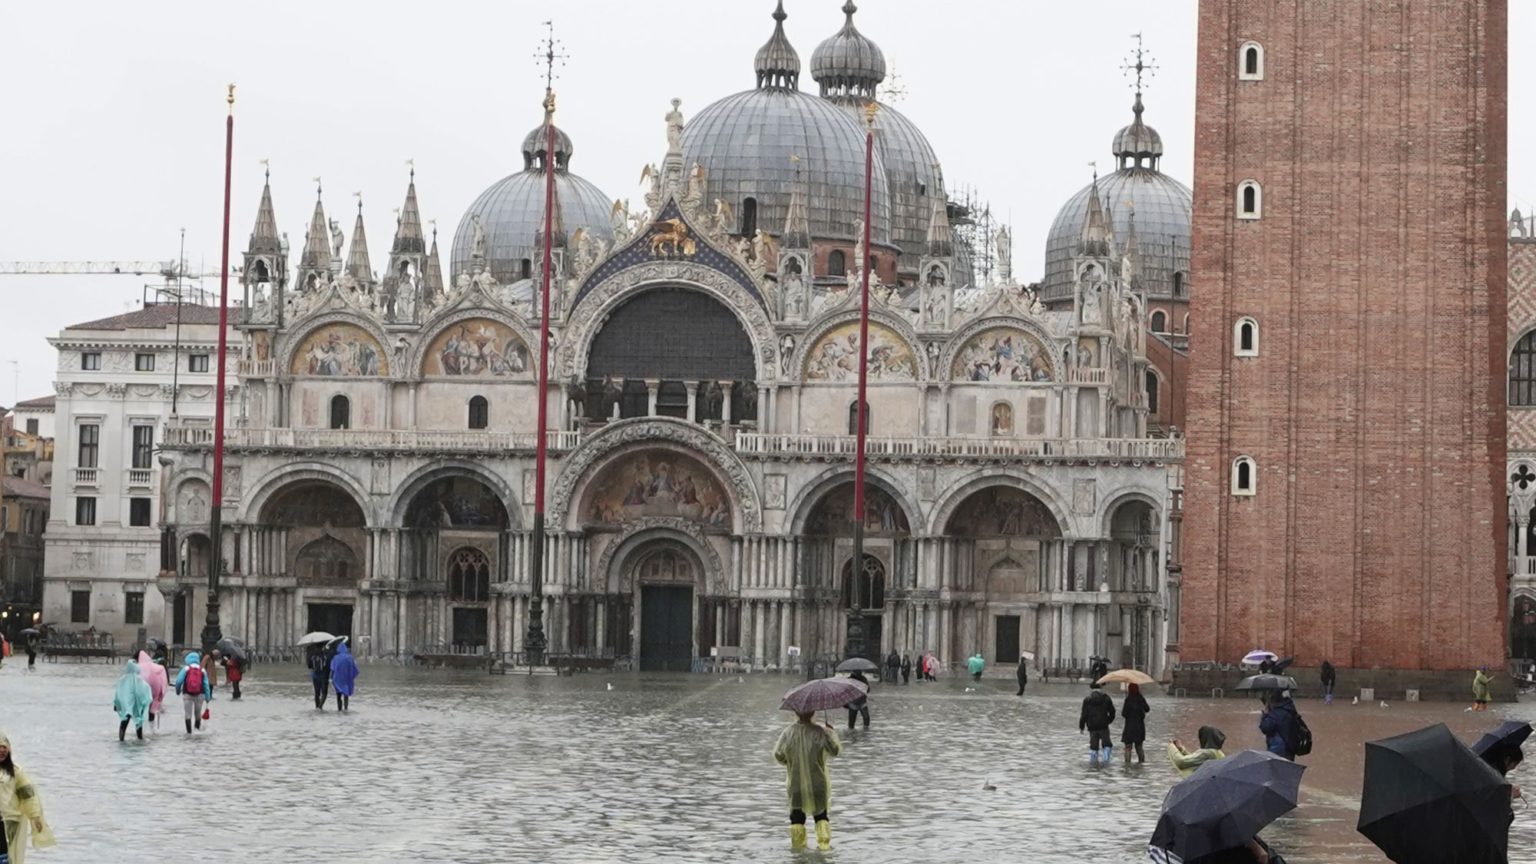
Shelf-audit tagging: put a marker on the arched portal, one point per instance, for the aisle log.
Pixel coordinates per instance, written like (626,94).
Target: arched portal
(1522,628)
(665,574)
(689,346)
(455,536)
(317,531)
(889,561)
(1007,541)
(1133,576)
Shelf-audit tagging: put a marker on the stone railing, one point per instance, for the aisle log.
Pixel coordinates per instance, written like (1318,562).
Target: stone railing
(178,436)
(87,476)
(139,478)
(1087,375)
(258,368)
(843,446)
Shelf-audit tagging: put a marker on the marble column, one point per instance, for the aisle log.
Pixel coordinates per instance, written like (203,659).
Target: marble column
(693,400)
(725,404)
(651,384)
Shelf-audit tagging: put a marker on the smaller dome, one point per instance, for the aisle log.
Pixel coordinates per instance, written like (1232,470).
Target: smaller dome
(777,63)
(1138,142)
(848,62)
(534,145)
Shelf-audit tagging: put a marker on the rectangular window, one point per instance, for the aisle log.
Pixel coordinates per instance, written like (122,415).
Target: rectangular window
(138,512)
(90,445)
(85,510)
(5,520)
(143,446)
(80,607)
(31,425)
(133,608)
(90,361)
(144,362)
(197,362)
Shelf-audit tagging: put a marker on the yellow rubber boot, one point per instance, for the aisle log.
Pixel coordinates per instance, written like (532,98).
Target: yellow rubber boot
(797,836)
(823,835)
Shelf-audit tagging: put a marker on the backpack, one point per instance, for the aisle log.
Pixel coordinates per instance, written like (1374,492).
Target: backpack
(194,683)
(1301,743)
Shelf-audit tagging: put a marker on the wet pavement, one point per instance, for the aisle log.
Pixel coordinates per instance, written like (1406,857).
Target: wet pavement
(438,766)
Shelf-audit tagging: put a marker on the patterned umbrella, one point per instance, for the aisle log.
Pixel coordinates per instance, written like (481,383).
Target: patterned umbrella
(820,695)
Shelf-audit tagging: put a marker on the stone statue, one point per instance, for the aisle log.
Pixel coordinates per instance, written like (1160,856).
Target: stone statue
(653,192)
(462,283)
(675,128)
(763,248)
(405,301)
(860,260)
(336,240)
(725,220)
(1004,241)
(714,400)
(786,353)
(1091,283)
(282,246)
(697,179)
(576,391)
(618,221)
(933,359)
(1123,316)
(402,345)
(478,244)
(486,282)
(794,300)
(613,391)
(748,400)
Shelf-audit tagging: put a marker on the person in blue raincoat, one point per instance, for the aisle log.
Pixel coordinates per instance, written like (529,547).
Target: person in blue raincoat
(343,676)
(131,701)
(192,686)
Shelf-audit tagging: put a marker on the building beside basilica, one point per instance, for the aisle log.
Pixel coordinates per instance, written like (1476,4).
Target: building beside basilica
(704,367)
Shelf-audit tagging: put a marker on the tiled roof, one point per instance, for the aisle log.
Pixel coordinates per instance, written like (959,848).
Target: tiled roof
(39,402)
(19,488)
(153,317)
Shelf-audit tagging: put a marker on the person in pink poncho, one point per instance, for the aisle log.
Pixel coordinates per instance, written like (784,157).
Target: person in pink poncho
(155,676)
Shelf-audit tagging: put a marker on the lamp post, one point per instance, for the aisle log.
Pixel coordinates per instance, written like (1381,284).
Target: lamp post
(855,646)
(211,632)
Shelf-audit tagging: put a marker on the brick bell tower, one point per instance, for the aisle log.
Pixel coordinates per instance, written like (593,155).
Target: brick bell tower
(1345,497)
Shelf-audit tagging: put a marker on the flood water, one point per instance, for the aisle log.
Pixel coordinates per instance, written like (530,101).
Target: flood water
(438,766)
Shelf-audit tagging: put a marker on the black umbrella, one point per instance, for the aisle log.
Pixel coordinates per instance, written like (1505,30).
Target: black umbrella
(1502,742)
(230,646)
(1226,803)
(857,664)
(1428,798)
(30,632)
(1267,682)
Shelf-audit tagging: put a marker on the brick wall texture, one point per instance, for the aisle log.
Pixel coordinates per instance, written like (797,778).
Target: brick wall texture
(1522,318)
(1375,409)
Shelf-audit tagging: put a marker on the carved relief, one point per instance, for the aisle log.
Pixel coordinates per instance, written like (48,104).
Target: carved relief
(1084,497)
(775,491)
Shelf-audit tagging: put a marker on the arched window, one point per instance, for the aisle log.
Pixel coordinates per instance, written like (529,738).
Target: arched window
(1244,476)
(259,272)
(1522,371)
(837,263)
(1178,283)
(479,413)
(871,585)
(1151,392)
(341,412)
(1159,322)
(1245,337)
(748,216)
(853,418)
(469,576)
(525,268)
(1250,62)
(1250,200)
(325,560)
(1002,419)
(1186,323)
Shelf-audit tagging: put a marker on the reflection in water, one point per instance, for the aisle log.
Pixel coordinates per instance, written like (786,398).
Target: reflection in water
(461,767)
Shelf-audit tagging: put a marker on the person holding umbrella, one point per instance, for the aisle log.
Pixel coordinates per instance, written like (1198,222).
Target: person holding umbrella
(1428,798)
(320,675)
(1215,815)
(1135,710)
(30,638)
(1277,720)
(803,749)
(1501,749)
(860,706)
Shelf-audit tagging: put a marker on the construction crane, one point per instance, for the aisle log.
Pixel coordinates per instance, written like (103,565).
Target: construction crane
(166,269)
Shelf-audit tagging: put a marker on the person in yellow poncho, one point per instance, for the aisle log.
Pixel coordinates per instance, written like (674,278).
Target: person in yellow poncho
(1186,761)
(1480,696)
(803,748)
(21,811)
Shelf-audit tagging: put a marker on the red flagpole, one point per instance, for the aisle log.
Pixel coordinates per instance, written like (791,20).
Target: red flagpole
(855,646)
(535,642)
(211,631)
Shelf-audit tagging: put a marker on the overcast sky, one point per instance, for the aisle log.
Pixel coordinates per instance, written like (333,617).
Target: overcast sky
(113,139)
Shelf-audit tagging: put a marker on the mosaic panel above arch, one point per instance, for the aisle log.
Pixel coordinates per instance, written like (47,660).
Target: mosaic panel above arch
(835,356)
(340,351)
(651,484)
(476,348)
(1002,354)
(1003,511)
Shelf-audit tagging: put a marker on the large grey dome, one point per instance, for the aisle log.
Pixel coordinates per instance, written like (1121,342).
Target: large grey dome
(746,143)
(511,212)
(1160,207)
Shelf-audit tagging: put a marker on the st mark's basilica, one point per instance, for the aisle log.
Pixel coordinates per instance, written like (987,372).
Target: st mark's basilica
(703,369)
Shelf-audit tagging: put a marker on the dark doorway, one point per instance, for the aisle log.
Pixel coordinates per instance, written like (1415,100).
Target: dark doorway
(332,618)
(179,619)
(873,633)
(470,628)
(1007,642)
(666,628)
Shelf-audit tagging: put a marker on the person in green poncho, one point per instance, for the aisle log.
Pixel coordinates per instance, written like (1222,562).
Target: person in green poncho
(131,701)
(803,748)
(976,665)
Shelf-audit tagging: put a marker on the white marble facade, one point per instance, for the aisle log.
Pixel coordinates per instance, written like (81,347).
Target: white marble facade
(381,465)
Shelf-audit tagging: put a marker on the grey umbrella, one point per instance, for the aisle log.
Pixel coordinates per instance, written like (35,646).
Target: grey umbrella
(820,695)
(1226,803)
(857,664)
(1267,682)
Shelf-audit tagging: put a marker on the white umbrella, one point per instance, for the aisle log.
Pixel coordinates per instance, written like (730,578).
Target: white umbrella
(319,637)
(1258,655)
